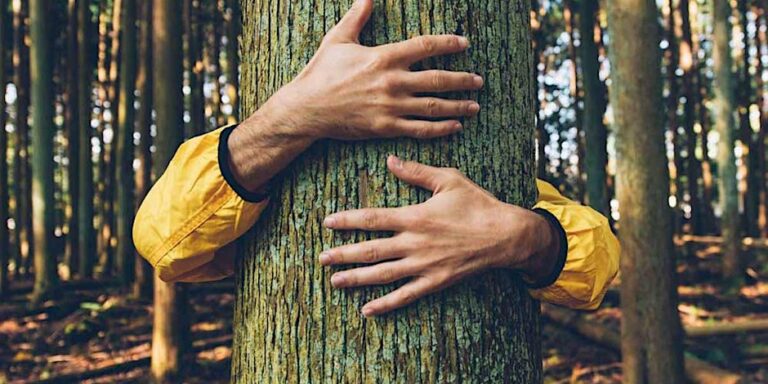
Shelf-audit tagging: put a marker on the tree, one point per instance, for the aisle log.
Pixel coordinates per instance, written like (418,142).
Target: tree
(290,325)
(142,285)
(194,40)
(596,135)
(43,130)
(651,331)
(73,134)
(167,59)
(5,246)
(724,109)
(126,120)
(86,232)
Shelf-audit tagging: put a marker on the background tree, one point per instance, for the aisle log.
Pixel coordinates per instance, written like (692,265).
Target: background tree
(46,275)
(651,346)
(5,245)
(126,254)
(724,110)
(291,306)
(86,232)
(72,116)
(168,333)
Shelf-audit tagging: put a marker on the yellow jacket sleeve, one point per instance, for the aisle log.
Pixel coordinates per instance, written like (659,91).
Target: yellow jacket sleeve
(592,258)
(190,217)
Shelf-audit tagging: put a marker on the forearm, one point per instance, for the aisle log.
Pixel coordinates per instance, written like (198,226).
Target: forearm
(264,144)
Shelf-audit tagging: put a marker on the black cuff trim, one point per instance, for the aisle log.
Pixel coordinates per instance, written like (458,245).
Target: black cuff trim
(226,171)
(562,254)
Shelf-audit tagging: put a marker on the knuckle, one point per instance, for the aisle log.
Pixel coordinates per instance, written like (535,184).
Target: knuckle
(407,296)
(427,44)
(431,107)
(387,275)
(371,255)
(370,219)
(438,81)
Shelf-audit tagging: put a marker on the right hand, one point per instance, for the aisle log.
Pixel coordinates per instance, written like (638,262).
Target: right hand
(351,92)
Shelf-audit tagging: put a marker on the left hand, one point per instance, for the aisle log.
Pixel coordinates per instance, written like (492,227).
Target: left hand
(461,231)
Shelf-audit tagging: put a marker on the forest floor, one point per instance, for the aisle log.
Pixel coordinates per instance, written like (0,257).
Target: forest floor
(94,329)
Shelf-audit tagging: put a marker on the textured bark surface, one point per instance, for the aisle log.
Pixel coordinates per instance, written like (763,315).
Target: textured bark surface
(724,114)
(72,113)
(43,130)
(651,332)
(290,325)
(5,246)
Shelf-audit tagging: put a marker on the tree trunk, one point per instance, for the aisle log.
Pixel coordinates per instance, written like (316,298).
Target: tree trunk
(142,285)
(569,18)
(673,124)
(194,38)
(762,40)
(749,142)
(233,25)
(724,114)
(596,135)
(22,172)
(167,57)
(126,254)
(43,130)
(5,246)
(651,330)
(87,232)
(290,325)
(73,141)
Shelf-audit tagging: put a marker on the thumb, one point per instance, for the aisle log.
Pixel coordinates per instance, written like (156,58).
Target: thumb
(413,173)
(350,26)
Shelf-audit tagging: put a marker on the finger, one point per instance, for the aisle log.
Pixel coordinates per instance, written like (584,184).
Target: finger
(442,81)
(399,298)
(378,274)
(417,174)
(350,26)
(423,47)
(368,252)
(422,129)
(436,107)
(368,219)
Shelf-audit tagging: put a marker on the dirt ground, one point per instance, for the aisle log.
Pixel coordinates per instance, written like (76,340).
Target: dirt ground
(94,329)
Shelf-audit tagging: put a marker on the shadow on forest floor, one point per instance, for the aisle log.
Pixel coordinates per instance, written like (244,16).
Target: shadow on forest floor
(95,329)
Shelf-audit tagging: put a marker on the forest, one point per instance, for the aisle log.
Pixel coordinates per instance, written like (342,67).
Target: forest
(652,113)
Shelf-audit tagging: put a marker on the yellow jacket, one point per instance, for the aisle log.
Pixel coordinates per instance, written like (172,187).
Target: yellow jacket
(191,215)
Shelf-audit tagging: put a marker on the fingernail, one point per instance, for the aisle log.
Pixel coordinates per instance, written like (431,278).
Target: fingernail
(367,312)
(337,280)
(463,42)
(325,258)
(329,221)
(457,126)
(478,80)
(473,108)
(398,162)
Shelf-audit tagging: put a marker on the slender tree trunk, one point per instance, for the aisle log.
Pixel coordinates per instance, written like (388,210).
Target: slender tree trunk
(688,64)
(126,121)
(749,141)
(168,336)
(569,17)
(542,137)
(724,114)
(214,60)
(73,140)
(651,330)
(5,245)
(673,123)
(194,39)
(596,135)
(142,285)
(87,233)
(762,41)
(23,172)
(43,130)
(233,26)
(290,325)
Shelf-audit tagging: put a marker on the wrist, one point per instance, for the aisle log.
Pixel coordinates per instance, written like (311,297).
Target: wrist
(537,251)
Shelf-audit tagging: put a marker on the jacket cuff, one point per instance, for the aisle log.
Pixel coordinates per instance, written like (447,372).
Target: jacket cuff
(562,252)
(226,171)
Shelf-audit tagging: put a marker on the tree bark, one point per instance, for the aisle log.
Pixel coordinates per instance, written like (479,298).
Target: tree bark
(43,130)
(651,330)
(290,325)
(596,135)
(233,25)
(142,285)
(169,330)
(126,121)
(724,115)
(87,232)
(194,38)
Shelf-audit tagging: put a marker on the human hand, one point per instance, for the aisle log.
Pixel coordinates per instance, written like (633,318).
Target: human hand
(350,92)
(461,231)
